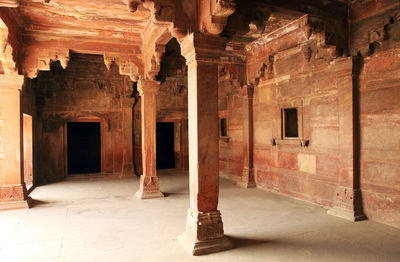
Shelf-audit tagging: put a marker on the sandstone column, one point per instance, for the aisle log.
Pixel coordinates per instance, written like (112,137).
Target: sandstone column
(247,180)
(348,202)
(204,229)
(149,185)
(12,187)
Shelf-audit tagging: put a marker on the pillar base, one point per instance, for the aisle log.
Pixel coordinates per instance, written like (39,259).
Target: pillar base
(346,214)
(204,234)
(348,204)
(149,188)
(16,204)
(247,179)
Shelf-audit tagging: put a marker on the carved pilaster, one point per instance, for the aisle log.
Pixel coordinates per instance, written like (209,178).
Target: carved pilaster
(348,201)
(247,180)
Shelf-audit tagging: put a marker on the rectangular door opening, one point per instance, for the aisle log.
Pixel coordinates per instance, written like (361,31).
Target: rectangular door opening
(83,147)
(165,152)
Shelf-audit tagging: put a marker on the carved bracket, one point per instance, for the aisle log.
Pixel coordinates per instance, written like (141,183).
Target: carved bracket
(130,65)
(36,60)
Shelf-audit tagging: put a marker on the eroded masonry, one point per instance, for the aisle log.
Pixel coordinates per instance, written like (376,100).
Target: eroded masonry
(300,97)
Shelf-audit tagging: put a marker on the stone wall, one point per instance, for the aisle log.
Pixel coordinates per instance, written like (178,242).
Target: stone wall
(293,70)
(231,107)
(376,34)
(85,90)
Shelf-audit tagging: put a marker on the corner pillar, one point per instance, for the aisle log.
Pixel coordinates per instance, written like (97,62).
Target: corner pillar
(348,201)
(149,184)
(204,228)
(247,180)
(13,193)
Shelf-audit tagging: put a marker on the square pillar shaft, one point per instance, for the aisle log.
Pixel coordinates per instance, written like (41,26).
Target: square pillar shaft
(13,192)
(204,229)
(247,180)
(149,184)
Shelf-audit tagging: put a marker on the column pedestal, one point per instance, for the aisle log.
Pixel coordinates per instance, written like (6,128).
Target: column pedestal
(149,188)
(204,233)
(247,180)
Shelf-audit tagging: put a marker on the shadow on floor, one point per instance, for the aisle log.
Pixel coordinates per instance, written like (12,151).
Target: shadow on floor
(240,242)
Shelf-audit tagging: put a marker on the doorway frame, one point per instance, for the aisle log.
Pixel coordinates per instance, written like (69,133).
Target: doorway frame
(91,119)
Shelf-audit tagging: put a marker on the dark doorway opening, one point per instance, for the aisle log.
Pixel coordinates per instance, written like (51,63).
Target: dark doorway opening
(83,147)
(165,153)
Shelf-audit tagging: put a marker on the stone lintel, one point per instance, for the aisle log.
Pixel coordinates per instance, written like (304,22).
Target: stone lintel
(204,233)
(149,188)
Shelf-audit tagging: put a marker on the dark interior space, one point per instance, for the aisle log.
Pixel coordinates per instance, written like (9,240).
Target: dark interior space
(291,125)
(83,147)
(165,156)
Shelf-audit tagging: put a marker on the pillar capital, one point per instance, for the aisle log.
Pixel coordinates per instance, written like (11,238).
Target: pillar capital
(202,47)
(146,86)
(11,82)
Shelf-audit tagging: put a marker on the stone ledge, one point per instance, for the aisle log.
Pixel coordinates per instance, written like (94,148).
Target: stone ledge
(16,204)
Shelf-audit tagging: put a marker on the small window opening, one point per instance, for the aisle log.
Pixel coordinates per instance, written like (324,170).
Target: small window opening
(290,123)
(224,129)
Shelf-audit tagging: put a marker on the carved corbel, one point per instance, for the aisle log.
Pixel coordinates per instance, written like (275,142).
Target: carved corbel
(36,60)
(127,65)
(214,14)
(132,5)
(6,53)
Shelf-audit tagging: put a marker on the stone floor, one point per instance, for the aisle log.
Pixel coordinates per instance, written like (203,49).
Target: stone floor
(99,219)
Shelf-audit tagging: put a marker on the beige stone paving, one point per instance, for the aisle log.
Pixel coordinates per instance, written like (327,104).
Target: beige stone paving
(99,219)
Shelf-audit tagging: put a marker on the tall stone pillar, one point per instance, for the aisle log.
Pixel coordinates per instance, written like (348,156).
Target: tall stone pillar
(149,184)
(204,229)
(247,180)
(348,202)
(13,192)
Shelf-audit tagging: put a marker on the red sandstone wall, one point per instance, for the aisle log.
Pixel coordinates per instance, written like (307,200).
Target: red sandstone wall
(294,71)
(379,107)
(230,106)
(86,89)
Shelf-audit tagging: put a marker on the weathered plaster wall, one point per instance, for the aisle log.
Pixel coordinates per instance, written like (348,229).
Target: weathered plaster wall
(293,70)
(379,92)
(85,89)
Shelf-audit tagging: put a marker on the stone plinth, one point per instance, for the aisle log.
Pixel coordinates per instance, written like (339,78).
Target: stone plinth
(204,233)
